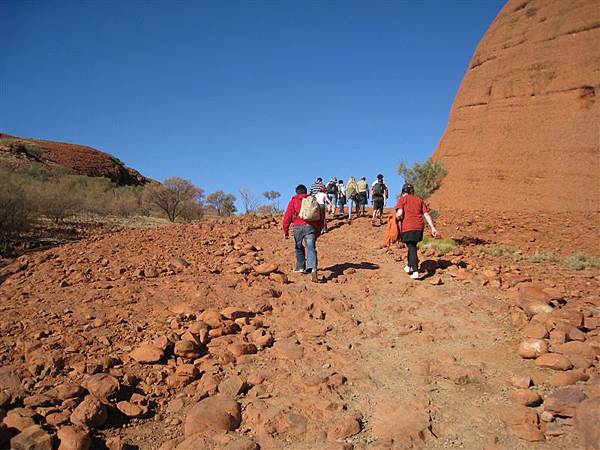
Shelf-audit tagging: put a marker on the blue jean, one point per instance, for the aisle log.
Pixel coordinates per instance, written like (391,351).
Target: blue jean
(352,203)
(305,235)
(341,205)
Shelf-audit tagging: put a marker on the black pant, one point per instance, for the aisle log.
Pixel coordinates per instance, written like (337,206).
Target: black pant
(413,258)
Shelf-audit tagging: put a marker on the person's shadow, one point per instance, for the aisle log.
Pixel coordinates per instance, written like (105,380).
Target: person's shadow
(338,269)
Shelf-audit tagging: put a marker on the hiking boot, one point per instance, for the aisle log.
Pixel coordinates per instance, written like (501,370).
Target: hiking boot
(414,275)
(314,277)
(300,271)
(407,269)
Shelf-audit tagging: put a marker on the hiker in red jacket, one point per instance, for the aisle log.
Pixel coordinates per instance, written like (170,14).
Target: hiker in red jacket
(305,234)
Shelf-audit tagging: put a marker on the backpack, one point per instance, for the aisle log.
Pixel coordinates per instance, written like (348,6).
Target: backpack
(379,189)
(310,210)
(332,187)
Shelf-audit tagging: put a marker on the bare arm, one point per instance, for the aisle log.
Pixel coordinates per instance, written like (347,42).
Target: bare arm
(429,220)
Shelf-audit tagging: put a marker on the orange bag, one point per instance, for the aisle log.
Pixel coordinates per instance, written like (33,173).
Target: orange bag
(392,232)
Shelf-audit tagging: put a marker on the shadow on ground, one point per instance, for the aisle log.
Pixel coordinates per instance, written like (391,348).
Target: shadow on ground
(338,269)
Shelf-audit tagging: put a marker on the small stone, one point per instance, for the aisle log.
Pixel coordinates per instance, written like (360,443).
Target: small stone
(568,378)
(241,349)
(553,361)
(187,349)
(131,409)
(522,382)
(179,263)
(279,278)
(546,416)
(532,348)
(72,438)
(526,397)
(266,269)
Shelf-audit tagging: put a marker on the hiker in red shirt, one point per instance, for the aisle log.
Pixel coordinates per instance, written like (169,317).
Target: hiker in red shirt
(410,210)
(305,234)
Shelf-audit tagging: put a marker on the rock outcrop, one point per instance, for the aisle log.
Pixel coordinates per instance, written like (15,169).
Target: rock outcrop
(524,130)
(16,152)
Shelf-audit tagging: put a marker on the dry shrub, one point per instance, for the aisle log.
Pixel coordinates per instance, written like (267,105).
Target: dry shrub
(16,208)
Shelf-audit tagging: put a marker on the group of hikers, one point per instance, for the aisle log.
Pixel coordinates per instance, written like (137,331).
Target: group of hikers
(335,195)
(307,212)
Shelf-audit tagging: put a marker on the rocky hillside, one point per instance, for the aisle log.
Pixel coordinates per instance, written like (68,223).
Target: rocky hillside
(16,152)
(201,337)
(524,130)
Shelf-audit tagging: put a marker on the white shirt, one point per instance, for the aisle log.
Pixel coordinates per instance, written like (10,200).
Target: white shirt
(321,196)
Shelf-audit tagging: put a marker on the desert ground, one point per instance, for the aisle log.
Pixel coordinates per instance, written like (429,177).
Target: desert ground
(202,337)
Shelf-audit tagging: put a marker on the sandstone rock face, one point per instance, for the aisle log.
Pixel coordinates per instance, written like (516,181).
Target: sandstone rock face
(523,130)
(79,159)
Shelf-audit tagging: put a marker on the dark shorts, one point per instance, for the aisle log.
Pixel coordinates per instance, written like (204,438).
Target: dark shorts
(378,203)
(362,199)
(412,236)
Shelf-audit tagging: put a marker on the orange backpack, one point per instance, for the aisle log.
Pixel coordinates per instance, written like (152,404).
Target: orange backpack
(392,232)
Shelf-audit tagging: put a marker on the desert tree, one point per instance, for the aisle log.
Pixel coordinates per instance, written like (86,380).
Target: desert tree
(272,196)
(224,204)
(248,199)
(174,196)
(425,177)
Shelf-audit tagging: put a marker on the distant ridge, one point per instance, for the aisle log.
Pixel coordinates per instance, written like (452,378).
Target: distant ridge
(17,152)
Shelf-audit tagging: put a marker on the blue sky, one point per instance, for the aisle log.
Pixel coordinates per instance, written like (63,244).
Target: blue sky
(262,95)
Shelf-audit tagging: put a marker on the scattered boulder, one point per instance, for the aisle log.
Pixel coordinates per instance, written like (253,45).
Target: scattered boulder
(266,268)
(72,438)
(187,349)
(213,414)
(554,361)
(148,353)
(102,385)
(20,418)
(67,390)
(131,409)
(568,378)
(535,330)
(91,412)
(32,438)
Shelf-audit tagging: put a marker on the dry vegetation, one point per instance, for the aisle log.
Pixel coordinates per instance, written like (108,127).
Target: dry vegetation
(36,203)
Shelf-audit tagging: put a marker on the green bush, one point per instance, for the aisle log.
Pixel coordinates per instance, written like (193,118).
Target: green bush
(580,261)
(541,257)
(426,177)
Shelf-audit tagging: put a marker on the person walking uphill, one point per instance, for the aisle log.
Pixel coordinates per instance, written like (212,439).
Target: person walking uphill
(411,210)
(306,231)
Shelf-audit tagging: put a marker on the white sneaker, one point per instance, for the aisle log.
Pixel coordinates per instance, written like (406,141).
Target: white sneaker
(407,269)
(414,275)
